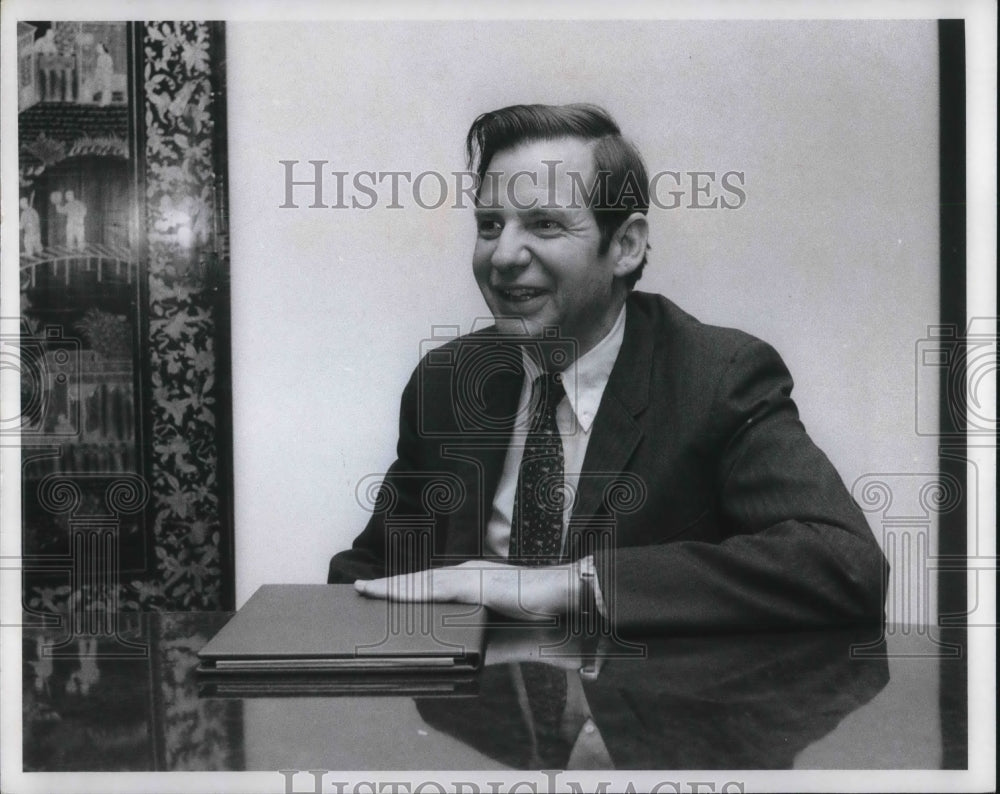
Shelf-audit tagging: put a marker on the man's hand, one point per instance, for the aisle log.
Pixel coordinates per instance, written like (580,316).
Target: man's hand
(527,593)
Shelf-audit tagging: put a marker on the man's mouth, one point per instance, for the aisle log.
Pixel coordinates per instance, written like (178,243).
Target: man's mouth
(518,294)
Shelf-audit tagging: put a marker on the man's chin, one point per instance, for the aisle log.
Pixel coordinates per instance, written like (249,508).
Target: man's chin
(518,326)
(545,344)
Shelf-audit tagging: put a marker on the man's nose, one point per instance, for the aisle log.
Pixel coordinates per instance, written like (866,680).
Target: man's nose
(510,250)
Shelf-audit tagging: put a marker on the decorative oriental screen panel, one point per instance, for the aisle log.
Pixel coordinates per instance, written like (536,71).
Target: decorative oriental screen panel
(124,307)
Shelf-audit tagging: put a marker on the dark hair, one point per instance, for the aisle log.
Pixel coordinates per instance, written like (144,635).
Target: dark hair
(622,183)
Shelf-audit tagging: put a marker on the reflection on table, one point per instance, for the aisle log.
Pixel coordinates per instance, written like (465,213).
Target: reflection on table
(753,701)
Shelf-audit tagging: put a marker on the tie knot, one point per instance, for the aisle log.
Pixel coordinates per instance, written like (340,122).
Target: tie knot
(549,390)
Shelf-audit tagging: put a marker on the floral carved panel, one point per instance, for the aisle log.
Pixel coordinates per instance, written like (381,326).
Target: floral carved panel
(183,244)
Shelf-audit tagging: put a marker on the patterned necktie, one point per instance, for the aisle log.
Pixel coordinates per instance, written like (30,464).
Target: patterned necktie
(536,526)
(543,707)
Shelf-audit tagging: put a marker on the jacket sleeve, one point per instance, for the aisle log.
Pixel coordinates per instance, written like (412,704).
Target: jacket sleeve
(796,551)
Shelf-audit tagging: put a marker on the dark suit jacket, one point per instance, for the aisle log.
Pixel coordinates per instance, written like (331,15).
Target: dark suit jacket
(751,701)
(704,500)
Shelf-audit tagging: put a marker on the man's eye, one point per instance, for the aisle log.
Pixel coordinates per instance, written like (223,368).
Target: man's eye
(488,228)
(547,226)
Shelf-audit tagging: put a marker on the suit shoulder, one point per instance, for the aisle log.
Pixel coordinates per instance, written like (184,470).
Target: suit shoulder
(681,335)
(440,354)
(438,346)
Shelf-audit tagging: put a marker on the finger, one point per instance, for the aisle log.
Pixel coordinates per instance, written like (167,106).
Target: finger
(405,587)
(372,588)
(410,587)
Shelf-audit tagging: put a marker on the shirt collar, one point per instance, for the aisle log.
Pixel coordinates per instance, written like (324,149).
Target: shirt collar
(586,378)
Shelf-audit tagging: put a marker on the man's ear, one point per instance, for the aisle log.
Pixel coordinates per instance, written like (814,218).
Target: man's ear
(630,244)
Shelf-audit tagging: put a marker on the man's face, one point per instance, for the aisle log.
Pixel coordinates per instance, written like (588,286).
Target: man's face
(536,258)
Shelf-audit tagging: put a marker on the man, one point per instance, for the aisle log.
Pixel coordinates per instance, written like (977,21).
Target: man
(623,452)
(75,212)
(31,226)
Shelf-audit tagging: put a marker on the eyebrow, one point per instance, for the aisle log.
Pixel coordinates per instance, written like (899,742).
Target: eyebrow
(529,213)
(546,211)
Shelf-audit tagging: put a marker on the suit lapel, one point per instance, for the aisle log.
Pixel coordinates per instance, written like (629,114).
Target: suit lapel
(501,407)
(483,449)
(616,433)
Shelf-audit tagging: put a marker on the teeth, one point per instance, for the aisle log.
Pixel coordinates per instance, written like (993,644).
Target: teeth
(521,294)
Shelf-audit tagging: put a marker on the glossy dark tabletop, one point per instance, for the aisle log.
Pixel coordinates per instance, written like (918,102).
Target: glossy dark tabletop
(755,701)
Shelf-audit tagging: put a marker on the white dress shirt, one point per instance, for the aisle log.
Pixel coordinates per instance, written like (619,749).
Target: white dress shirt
(584,381)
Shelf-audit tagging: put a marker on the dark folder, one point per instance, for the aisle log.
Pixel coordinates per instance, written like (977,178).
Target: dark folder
(331,630)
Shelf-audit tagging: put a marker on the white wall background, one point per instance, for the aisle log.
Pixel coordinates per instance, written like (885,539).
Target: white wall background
(833,259)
